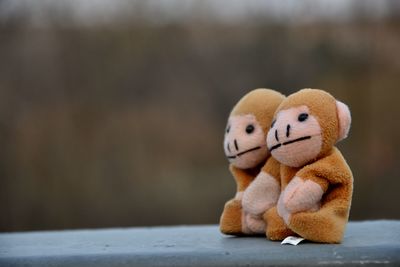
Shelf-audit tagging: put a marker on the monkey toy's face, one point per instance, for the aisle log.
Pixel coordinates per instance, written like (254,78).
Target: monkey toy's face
(295,137)
(244,143)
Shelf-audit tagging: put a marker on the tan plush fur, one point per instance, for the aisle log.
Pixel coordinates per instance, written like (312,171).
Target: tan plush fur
(262,103)
(321,213)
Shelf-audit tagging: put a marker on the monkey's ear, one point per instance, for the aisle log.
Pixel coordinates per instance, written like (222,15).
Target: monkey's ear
(344,118)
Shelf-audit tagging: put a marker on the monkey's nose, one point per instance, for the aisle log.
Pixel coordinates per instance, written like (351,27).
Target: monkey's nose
(288,130)
(276,135)
(236,145)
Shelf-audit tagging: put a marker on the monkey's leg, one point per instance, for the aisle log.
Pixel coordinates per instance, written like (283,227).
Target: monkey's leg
(231,218)
(276,227)
(326,225)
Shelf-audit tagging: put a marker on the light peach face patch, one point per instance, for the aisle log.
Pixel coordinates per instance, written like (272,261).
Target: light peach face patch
(295,137)
(244,142)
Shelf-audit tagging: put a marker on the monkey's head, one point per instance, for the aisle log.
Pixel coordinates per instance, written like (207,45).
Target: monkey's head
(306,126)
(244,142)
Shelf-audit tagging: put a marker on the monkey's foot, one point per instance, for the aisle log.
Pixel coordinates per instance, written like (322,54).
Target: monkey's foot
(231,218)
(276,227)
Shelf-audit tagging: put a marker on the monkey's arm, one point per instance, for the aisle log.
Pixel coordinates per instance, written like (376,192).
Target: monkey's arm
(242,178)
(309,185)
(263,192)
(231,221)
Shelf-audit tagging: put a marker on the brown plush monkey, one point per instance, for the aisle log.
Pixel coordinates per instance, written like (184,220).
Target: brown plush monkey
(246,149)
(316,182)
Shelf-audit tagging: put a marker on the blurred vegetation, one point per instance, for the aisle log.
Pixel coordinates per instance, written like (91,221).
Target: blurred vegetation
(121,123)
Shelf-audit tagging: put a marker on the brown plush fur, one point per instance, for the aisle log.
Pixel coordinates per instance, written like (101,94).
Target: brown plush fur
(329,170)
(262,103)
(231,218)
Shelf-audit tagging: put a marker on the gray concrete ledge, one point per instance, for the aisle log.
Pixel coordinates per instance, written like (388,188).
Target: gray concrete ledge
(366,243)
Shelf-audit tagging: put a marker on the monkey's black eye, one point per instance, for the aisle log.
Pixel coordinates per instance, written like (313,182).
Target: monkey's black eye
(228,129)
(249,129)
(273,123)
(303,117)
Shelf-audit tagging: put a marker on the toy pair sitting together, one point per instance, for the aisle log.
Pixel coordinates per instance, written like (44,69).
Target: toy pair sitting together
(291,179)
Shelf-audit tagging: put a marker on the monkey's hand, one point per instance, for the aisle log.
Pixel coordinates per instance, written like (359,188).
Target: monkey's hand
(255,223)
(261,194)
(302,195)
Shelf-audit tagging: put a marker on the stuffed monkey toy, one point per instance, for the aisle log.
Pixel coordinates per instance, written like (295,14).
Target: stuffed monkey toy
(246,150)
(316,182)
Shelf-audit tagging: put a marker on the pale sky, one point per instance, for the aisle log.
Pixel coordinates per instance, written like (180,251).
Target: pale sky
(164,11)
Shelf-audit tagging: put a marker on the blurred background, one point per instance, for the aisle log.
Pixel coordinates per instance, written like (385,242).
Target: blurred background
(112,113)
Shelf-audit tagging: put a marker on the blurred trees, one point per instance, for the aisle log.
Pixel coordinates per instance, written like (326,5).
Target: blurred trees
(121,124)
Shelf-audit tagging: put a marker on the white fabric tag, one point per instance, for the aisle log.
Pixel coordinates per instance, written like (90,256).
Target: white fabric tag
(292,240)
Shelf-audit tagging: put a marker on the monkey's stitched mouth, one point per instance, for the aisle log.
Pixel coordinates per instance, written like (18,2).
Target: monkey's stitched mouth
(244,152)
(289,142)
